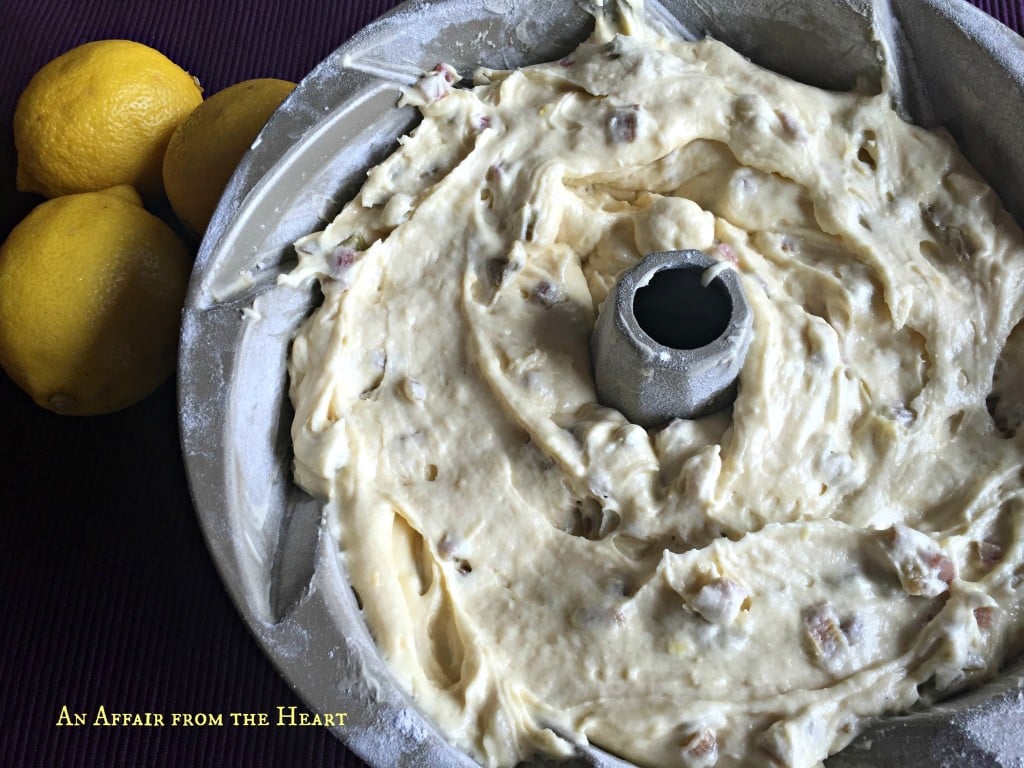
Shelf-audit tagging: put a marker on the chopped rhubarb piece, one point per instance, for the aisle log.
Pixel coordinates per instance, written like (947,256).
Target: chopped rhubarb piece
(624,124)
(824,632)
(720,601)
(700,750)
(988,551)
(923,568)
(547,294)
(983,616)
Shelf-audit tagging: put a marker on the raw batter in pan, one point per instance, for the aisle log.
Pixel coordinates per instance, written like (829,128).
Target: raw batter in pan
(742,589)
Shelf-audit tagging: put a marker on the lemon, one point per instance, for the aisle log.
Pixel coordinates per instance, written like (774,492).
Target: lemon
(91,290)
(207,147)
(100,115)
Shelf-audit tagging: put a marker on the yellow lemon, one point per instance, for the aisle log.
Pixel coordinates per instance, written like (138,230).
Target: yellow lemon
(100,115)
(91,290)
(207,147)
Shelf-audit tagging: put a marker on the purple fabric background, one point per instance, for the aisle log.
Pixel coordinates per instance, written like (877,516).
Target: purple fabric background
(109,596)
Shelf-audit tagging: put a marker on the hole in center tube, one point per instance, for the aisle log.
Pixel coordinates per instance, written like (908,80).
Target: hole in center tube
(677,311)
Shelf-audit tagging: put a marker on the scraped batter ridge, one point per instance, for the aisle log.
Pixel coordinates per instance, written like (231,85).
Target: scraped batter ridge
(740,589)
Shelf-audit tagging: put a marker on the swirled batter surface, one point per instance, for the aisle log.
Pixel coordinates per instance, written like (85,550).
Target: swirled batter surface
(743,589)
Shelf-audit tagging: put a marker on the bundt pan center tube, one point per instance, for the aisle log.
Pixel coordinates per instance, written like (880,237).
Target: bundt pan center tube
(671,338)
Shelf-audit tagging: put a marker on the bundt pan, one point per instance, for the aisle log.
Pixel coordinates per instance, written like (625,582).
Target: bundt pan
(949,65)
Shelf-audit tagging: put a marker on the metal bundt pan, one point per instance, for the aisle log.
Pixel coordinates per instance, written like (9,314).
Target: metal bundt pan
(950,65)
